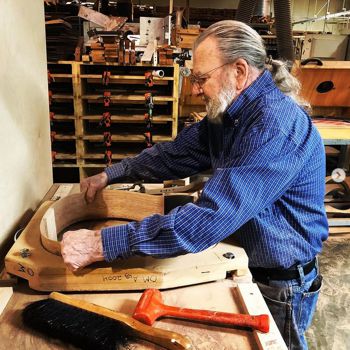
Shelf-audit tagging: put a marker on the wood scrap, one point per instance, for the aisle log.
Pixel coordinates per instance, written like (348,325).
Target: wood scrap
(107,22)
(61,40)
(165,55)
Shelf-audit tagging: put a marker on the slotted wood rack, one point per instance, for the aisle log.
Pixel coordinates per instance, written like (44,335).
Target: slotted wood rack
(77,103)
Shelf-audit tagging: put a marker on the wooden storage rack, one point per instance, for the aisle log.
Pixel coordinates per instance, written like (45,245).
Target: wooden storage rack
(76,104)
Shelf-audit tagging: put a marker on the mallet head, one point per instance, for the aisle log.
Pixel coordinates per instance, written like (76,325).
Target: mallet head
(149,307)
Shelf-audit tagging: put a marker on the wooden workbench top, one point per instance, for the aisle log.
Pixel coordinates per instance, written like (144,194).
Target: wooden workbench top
(220,295)
(234,295)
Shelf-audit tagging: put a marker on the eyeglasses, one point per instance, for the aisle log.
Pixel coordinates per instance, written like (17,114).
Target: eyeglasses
(200,80)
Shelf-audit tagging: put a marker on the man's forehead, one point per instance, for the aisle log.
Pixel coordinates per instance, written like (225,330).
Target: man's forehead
(205,56)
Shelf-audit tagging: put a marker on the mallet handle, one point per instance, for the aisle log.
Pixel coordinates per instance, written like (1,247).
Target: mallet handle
(258,322)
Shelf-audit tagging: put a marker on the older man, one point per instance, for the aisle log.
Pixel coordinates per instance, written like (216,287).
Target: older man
(267,185)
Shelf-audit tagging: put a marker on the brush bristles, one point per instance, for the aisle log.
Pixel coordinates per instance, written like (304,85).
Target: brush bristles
(81,328)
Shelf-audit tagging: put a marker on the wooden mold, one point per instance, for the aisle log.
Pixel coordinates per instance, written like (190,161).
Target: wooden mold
(35,256)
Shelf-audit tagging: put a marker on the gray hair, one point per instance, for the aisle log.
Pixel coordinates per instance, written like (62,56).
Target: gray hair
(237,40)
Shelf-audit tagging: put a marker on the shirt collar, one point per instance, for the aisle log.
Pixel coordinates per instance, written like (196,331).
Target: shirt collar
(260,86)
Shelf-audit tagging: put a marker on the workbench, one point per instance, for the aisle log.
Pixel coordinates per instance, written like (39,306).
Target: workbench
(233,294)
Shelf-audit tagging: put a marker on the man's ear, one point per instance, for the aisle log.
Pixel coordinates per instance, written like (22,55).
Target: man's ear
(242,71)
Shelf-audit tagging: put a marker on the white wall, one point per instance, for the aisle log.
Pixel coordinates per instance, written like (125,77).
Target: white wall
(25,159)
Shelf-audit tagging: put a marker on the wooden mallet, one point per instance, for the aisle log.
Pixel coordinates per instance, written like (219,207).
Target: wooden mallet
(150,307)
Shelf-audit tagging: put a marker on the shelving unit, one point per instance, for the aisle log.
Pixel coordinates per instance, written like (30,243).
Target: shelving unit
(77,104)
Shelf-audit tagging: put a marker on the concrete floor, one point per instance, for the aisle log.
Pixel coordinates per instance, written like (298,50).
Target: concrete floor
(330,329)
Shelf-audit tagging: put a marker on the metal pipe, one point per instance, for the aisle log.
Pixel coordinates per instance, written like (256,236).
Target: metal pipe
(332,15)
(262,8)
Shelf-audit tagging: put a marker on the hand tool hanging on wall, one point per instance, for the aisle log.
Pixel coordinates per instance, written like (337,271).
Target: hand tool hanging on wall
(53,135)
(105,120)
(148,119)
(53,153)
(149,101)
(50,97)
(52,118)
(106,98)
(105,77)
(148,79)
(108,157)
(107,139)
(50,78)
(150,307)
(149,75)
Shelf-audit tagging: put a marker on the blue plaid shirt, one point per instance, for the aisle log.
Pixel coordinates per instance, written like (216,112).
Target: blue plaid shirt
(267,187)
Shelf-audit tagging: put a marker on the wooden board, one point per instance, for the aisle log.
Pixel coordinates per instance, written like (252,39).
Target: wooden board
(220,296)
(253,303)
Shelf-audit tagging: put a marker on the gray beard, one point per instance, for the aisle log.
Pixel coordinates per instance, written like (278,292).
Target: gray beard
(216,107)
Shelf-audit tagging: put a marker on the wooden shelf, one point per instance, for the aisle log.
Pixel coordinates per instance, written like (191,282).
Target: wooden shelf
(64,137)
(62,156)
(124,77)
(130,118)
(61,75)
(120,97)
(65,165)
(62,97)
(127,138)
(78,103)
(117,155)
(63,117)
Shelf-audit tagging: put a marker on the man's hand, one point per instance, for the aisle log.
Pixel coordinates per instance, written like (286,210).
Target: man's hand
(80,248)
(93,184)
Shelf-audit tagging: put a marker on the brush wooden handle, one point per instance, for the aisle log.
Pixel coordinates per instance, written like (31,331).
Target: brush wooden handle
(164,338)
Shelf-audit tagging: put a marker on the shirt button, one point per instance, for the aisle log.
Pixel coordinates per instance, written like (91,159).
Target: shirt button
(235,123)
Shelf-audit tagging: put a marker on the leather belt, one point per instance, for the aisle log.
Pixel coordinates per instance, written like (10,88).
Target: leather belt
(265,274)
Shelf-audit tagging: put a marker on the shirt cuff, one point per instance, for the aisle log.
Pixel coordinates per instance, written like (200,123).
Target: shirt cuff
(115,242)
(114,172)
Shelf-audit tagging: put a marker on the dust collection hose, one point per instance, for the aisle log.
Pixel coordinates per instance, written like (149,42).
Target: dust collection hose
(245,10)
(283,19)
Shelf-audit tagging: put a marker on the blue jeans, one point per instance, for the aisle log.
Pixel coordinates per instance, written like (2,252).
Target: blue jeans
(292,304)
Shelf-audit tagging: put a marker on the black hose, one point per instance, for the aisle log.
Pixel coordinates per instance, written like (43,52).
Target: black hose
(245,10)
(284,29)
